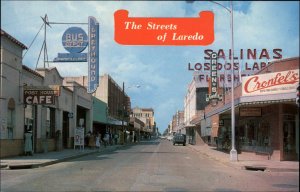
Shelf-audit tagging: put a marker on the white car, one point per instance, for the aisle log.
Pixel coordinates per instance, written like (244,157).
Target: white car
(170,137)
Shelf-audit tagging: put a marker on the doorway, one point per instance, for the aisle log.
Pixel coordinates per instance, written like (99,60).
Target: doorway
(65,132)
(289,138)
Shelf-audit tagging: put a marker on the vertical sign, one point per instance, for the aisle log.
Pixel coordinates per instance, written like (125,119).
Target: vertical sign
(93,55)
(213,95)
(213,74)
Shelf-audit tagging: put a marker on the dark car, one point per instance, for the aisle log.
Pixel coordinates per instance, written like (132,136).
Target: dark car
(179,139)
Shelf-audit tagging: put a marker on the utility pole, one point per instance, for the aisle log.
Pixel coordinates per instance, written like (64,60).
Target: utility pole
(123,110)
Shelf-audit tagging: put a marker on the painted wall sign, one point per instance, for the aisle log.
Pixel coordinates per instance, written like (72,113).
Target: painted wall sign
(39,97)
(74,40)
(246,62)
(93,56)
(270,83)
(250,112)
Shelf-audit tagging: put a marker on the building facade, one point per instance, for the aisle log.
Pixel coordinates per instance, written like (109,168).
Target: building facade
(118,106)
(266,114)
(40,102)
(146,115)
(194,104)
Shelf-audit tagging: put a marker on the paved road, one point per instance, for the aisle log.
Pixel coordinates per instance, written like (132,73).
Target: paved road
(150,166)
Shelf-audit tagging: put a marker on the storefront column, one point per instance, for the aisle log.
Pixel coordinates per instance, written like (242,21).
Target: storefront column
(43,129)
(297,133)
(89,122)
(279,130)
(58,128)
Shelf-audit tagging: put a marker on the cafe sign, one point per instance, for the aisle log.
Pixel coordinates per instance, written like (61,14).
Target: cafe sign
(39,96)
(270,83)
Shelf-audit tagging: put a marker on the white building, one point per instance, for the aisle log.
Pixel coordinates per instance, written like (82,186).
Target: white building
(39,101)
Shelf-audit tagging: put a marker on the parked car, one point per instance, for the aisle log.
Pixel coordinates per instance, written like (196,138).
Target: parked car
(179,139)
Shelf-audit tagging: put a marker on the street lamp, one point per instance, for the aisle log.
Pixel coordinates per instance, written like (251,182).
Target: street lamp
(123,106)
(233,152)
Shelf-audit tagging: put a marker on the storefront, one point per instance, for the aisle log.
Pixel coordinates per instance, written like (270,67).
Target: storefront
(266,114)
(38,102)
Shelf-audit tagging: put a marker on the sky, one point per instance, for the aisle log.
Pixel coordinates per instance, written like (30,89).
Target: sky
(161,71)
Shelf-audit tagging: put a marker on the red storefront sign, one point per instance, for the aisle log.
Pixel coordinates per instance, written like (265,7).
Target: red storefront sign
(270,83)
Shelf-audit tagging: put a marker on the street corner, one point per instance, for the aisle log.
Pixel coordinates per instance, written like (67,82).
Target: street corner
(3,165)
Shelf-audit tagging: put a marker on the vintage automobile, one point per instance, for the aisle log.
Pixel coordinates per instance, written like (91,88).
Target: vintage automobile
(179,139)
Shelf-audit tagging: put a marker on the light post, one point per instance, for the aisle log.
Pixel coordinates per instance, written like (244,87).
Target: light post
(123,107)
(233,152)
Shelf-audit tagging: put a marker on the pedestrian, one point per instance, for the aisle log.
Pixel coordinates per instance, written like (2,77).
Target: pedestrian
(28,143)
(106,139)
(92,141)
(116,136)
(98,141)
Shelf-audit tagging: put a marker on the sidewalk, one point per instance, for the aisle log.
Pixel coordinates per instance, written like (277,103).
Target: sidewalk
(44,159)
(247,161)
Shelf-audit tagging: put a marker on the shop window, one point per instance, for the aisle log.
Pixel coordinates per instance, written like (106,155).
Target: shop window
(254,134)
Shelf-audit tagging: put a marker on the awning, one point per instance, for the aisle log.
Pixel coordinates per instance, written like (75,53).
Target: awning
(196,120)
(254,100)
(113,121)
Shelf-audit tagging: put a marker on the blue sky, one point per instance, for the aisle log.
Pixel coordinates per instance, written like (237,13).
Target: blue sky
(162,71)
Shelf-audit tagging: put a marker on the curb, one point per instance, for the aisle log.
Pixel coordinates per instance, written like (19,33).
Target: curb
(37,165)
(281,170)
(3,165)
(246,167)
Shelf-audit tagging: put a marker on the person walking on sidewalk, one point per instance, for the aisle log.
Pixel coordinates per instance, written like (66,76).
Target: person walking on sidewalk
(98,141)
(106,139)
(92,141)
(28,143)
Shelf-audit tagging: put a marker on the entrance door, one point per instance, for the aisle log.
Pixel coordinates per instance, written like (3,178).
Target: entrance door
(65,132)
(289,140)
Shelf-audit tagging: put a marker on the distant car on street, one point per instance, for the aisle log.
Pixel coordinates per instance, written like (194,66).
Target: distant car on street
(162,137)
(179,139)
(170,137)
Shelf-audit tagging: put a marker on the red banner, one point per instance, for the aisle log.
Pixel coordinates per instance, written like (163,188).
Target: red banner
(164,31)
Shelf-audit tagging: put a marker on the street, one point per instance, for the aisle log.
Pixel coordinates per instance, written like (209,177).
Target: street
(154,165)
